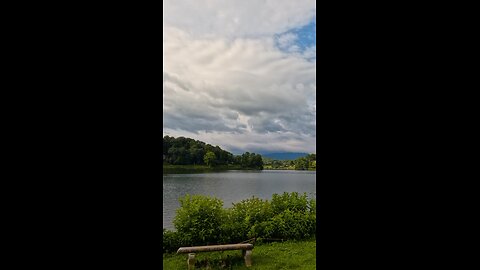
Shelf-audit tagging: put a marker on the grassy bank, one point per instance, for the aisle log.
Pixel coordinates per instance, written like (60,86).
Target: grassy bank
(203,168)
(269,167)
(274,256)
(197,168)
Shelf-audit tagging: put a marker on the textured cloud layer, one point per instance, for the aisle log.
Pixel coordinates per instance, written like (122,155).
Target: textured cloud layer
(238,18)
(227,81)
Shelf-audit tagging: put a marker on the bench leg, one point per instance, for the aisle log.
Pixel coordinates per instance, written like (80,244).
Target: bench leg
(248,257)
(191,261)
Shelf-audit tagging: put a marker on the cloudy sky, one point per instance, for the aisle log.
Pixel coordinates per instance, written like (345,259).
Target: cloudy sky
(240,74)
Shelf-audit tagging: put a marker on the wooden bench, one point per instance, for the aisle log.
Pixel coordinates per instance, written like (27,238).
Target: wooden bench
(246,252)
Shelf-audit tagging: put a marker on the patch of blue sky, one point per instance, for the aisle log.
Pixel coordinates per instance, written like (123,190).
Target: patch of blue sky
(301,40)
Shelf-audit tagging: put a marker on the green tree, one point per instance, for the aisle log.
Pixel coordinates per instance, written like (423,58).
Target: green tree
(257,161)
(301,164)
(209,158)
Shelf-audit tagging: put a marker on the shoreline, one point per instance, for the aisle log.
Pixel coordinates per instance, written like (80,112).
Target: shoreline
(173,169)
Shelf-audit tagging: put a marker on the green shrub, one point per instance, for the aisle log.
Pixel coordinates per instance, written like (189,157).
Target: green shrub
(173,240)
(289,201)
(202,220)
(199,219)
(290,216)
(246,216)
(287,216)
(312,206)
(297,225)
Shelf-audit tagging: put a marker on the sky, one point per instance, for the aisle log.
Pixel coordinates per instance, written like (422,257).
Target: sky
(240,74)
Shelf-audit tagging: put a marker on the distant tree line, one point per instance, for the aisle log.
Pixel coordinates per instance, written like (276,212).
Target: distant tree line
(249,160)
(304,163)
(278,164)
(186,151)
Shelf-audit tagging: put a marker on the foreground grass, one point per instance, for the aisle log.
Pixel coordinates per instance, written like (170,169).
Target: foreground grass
(274,256)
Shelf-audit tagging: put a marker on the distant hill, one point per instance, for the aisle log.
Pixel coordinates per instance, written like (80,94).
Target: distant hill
(284,156)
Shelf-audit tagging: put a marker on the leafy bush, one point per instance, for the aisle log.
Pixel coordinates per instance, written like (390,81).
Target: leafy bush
(287,216)
(173,240)
(245,217)
(291,225)
(202,220)
(199,219)
(289,201)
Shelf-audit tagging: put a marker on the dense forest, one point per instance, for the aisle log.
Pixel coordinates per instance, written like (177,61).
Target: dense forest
(186,151)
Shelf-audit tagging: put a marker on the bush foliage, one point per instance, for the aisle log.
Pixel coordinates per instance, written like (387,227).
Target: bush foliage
(199,218)
(202,220)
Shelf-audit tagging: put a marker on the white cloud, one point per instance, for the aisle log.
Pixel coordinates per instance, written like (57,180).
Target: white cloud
(227,83)
(286,40)
(240,18)
(310,52)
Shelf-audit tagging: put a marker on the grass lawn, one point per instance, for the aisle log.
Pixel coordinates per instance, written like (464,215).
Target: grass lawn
(274,256)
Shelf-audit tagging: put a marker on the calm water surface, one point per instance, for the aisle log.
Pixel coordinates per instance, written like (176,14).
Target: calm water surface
(232,186)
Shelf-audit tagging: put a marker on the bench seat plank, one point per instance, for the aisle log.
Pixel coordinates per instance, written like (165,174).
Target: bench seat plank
(215,248)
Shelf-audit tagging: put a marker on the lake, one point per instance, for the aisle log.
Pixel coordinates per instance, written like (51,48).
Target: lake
(233,186)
